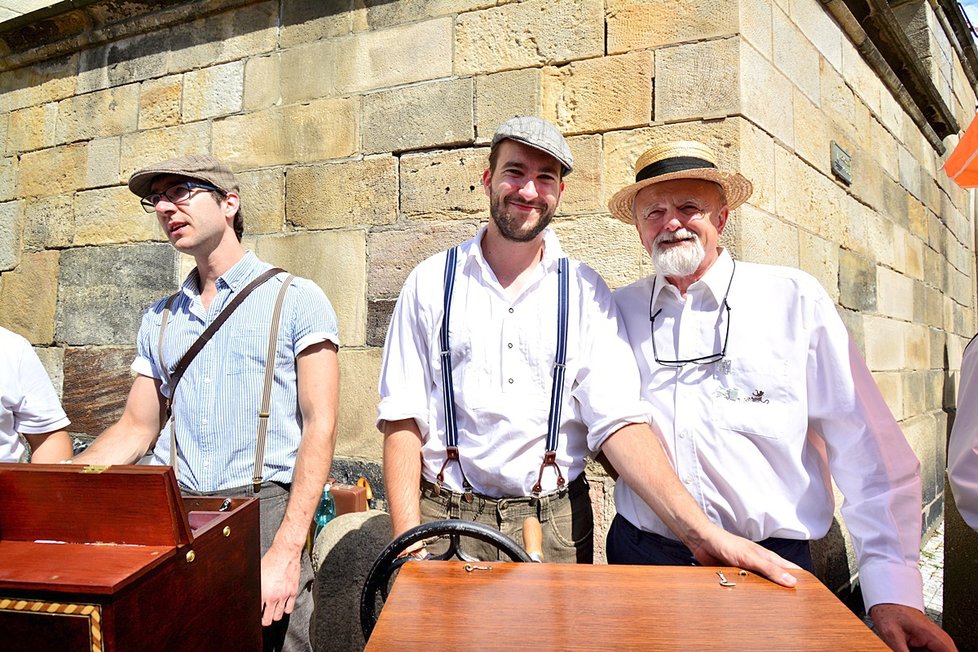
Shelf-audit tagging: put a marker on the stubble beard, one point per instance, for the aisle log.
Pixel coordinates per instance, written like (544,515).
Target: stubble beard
(513,228)
(678,260)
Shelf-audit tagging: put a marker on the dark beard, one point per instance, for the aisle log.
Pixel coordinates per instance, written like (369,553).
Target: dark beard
(509,226)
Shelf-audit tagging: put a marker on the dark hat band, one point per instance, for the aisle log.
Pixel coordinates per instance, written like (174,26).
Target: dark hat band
(674,164)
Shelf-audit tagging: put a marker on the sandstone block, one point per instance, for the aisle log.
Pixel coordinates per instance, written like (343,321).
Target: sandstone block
(757,72)
(8,178)
(159,102)
(857,282)
(262,84)
(641,24)
(32,128)
(427,115)
(755,25)
(860,76)
(10,224)
(766,239)
(110,112)
(500,96)
(890,384)
(393,254)
(795,56)
(356,434)
(820,258)
(28,297)
(52,358)
(388,14)
(104,291)
(379,320)
(52,171)
(44,81)
(263,200)
(400,55)
(337,262)
(909,171)
(694,80)
(246,31)
(214,91)
(49,223)
(918,348)
(808,198)
(921,433)
(837,99)
(820,29)
(527,34)
(343,194)
(756,162)
(155,145)
(914,256)
(296,80)
(444,185)
(885,344)
(812,133)
(582,190)
(103,162)
(96,383)
(112,216)
(608,245)
(575,96)
(123,61)
(895,294)
(320,130)
(304,21)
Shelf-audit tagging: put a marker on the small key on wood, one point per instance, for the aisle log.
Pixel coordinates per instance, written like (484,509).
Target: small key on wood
(472,567)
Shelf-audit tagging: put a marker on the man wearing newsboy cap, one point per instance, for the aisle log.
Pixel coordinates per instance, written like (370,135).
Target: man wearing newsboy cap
(504,368)
(759,395)
(254,414)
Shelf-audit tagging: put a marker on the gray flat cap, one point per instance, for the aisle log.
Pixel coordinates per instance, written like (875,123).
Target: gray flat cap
(199,167)
(539,134)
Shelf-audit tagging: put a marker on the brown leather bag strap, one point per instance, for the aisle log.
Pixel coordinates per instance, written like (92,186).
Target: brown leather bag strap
(209,332)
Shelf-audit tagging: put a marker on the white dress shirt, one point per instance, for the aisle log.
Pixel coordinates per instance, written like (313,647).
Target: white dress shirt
(755,436)
(503,353)
(962,451)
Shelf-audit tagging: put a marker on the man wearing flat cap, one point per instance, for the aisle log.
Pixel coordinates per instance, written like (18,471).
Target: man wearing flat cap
(504,368)
(759,395)
(253,411)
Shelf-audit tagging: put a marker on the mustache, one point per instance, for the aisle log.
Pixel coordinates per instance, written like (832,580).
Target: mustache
(678,235)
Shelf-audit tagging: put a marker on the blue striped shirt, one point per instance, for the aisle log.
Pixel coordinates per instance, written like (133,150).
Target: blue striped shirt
(218,399)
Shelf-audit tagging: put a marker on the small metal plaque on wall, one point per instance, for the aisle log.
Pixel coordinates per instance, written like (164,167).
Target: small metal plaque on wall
(841,164)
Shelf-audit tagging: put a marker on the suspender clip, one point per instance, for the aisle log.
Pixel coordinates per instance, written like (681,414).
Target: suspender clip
(549,459)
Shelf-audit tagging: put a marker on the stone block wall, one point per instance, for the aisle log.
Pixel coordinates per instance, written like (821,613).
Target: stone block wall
(359,129)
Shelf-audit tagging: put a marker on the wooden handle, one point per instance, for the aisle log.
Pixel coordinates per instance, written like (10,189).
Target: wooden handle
(533,538)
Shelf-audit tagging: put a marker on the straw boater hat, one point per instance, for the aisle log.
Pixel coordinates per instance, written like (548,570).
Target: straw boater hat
(678,160)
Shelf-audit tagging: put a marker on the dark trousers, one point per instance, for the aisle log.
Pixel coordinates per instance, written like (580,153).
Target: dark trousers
(629,545)
(292,633)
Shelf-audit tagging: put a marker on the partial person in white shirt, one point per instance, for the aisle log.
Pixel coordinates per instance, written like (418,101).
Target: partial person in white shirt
(759,396)
(962,450)
(502,348)
(29,406)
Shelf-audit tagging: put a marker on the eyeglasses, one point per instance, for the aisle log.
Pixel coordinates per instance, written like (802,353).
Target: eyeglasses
(177,194)
(703,359)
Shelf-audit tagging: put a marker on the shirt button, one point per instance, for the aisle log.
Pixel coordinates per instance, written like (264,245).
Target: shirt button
(688,479)
(510,381)
(510,345)
(203,422)
(682,435)
(207,380)
(511,311)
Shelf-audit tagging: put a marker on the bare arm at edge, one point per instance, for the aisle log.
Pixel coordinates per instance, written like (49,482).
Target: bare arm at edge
(134,434)
(402,474)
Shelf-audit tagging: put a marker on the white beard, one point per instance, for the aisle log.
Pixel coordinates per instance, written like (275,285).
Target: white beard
(678,260)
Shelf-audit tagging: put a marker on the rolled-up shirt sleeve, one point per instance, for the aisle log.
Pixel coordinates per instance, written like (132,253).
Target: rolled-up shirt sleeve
(405,373)
(608,386)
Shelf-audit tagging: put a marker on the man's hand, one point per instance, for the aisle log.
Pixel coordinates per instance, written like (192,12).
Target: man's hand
(905,628)
(724,549)
(279,585)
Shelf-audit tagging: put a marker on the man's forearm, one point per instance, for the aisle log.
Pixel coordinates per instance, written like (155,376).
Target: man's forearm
(50,448)
(402,474)
(313,462)
(116,445)
(637,455)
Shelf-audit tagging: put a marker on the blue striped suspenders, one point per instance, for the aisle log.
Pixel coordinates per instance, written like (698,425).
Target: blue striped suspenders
(556,395)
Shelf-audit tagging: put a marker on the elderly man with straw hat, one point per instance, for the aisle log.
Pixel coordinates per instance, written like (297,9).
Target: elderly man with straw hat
(759,396)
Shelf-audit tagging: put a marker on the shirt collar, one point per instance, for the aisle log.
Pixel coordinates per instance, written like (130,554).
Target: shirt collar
(552,252)
(714,283)
(235,278)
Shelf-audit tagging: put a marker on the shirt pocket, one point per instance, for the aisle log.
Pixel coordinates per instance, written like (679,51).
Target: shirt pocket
(752,398)
(249,348)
